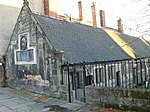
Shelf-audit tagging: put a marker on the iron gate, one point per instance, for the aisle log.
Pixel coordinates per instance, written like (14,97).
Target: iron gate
(76,83)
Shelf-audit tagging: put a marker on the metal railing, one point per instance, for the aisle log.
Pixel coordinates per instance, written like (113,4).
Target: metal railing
(128,73)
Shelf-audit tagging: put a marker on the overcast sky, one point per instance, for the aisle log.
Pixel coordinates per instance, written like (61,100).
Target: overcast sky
(129,10)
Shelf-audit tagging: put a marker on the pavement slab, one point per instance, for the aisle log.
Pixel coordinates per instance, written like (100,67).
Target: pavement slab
(12,100)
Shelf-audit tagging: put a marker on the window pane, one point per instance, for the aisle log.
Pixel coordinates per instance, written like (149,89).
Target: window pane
(25,55)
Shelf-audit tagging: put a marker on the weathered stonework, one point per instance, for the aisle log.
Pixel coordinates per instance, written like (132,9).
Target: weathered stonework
(36,67)
(133,99)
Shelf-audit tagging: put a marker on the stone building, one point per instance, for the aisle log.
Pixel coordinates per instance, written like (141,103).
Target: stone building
(8,18)
(40,45)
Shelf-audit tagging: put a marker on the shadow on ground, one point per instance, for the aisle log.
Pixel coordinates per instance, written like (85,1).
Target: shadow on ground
(56,108)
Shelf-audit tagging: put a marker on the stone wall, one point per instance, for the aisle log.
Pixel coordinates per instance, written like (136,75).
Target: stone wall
(127,99)
(64,92)
(32,64)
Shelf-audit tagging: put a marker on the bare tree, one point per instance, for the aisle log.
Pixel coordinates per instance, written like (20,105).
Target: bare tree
(141,19)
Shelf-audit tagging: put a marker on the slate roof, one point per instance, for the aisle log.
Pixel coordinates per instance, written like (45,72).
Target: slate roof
(140,48)
(80,42)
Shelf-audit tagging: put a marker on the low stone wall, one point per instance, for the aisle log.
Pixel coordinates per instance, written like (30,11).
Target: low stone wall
(127,99)
(36,86)
(29,85)
(64,92)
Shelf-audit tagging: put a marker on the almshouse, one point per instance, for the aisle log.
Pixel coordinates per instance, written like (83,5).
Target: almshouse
(40,45)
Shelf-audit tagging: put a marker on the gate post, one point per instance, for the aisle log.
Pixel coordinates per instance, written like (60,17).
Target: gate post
(69,90)
(84,81)
(2,72)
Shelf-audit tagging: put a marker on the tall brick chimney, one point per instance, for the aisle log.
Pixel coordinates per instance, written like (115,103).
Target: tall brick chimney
(120,26)
(94,14)
(102,18)
(46,7)
(80,11)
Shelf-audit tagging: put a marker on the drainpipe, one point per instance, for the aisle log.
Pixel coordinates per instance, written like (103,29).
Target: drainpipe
(84,81)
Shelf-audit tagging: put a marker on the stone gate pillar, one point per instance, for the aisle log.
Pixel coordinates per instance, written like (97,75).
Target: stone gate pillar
(1,75)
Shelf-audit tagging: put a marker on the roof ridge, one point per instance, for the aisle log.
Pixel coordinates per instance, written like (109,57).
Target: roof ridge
(73,22)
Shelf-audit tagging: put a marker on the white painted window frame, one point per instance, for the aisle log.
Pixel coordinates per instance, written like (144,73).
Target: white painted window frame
(28,48)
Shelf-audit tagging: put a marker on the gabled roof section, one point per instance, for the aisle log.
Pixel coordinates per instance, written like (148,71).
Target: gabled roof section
(80,42)
(126,47)
(141,49)
(27,9)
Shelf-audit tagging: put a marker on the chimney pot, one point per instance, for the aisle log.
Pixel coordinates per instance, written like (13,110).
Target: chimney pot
(80,11)
(120,26)
(102,18)
(25,2)
(46,7)
(94,14)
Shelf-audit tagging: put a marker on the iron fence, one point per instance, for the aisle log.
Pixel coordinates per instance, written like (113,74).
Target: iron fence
(129,73)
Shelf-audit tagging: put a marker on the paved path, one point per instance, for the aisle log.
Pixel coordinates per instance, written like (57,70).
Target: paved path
(12,100)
